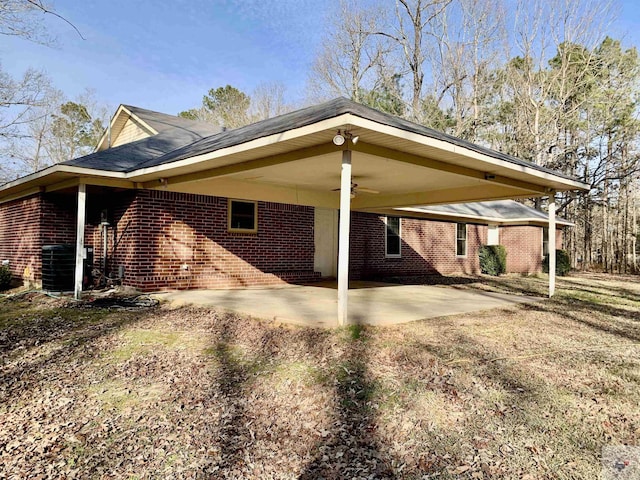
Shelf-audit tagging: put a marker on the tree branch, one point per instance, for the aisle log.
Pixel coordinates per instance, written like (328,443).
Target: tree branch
(37,4)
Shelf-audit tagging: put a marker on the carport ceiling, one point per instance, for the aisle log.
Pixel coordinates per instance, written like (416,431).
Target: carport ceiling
(405,163)
(384,175)
(310,176)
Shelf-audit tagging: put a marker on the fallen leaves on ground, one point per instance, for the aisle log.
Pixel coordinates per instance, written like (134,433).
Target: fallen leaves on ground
(196,393)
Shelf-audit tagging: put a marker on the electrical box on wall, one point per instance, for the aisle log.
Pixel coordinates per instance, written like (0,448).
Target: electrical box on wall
(104,217)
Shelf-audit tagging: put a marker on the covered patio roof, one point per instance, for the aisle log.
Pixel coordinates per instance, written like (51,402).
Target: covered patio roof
(384,162)
(291,158)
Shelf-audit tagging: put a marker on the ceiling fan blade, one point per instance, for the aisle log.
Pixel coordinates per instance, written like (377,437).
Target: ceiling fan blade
(353,187)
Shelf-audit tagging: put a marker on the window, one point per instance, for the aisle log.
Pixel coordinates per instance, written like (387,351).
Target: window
(461,239)
(392,243)
(243,216)
(545,241)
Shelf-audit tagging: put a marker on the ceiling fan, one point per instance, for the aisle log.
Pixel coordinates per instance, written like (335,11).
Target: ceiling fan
(355,190)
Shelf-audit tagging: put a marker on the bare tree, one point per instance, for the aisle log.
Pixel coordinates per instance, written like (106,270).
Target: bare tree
(18,97)
(23,18)
(350,54)
(53,131)
(30,152)
(410,32)
(268,100)
(469,35)
(545,99)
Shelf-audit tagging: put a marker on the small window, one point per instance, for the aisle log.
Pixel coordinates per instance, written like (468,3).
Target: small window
(545,241)
(393,243)
(461,239)
(243,216)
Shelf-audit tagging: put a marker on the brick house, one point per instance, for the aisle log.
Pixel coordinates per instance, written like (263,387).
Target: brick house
(165,240)
(167,202)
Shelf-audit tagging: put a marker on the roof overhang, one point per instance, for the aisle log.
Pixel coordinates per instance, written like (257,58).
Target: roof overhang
(59,177)
(423,212)
(302,166)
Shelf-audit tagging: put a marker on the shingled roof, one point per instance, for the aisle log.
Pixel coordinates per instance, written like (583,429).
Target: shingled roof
(318,113)
(173,132)
(162,122)
(183,140)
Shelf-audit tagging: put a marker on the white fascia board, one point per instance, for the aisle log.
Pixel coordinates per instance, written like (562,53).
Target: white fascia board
(331,123)
(112,120)
(449,147)
(79,171)
(498,220)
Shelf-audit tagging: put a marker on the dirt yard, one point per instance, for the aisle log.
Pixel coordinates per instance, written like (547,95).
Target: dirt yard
(532,391)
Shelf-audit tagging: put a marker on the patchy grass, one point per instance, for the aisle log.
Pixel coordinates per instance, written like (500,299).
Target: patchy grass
(531,391)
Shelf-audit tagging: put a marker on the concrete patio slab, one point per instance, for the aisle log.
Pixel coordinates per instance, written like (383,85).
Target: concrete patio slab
(369,303)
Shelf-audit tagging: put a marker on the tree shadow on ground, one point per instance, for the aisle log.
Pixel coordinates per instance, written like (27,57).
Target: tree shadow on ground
(352,448)
(232,382)
(72,329)
(348,448)
(582,313)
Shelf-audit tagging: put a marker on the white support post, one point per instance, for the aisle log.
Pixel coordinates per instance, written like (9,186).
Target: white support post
(552,243)
(79,275)
(343,245)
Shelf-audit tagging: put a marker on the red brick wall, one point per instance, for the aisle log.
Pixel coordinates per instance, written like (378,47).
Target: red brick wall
(29,223)
(157,232)
(20,237)
(58,220)
(168,230)
(427,247)
(524,247)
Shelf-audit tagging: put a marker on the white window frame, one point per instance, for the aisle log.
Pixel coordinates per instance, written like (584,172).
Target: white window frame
(386,249)
(255,217)
(545,238)
(466,240)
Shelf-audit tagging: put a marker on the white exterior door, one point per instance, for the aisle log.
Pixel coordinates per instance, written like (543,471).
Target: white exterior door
(325,231)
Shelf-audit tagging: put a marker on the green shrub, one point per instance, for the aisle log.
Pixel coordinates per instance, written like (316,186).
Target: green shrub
(563,263)
(493,259)
(5,277)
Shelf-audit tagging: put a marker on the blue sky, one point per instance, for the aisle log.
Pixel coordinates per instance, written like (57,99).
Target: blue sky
(164,55)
